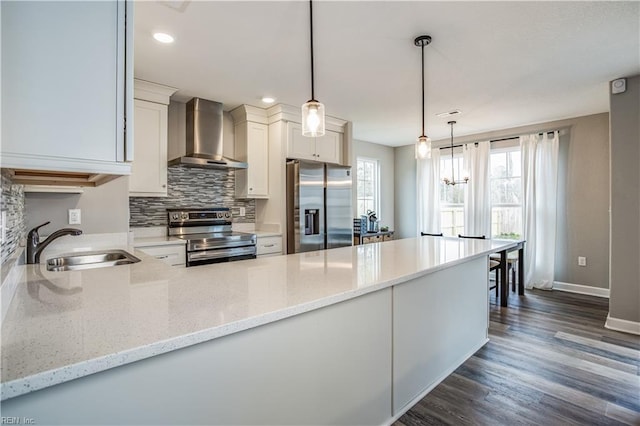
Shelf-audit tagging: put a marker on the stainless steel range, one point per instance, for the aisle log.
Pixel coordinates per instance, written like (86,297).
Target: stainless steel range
(209,236)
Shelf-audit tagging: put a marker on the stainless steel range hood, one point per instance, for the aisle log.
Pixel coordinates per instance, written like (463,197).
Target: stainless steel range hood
(204,137)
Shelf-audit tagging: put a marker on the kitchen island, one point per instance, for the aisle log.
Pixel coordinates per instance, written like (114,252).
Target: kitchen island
(342,336)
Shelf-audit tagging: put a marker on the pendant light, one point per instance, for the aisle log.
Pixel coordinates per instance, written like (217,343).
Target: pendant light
(312,110)
(453,180)
(423,144)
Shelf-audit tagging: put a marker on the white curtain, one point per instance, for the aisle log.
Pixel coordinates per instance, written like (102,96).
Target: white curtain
(477,198)
(539,183)
(428,197)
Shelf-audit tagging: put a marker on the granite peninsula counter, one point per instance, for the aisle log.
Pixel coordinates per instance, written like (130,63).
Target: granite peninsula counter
(63,326)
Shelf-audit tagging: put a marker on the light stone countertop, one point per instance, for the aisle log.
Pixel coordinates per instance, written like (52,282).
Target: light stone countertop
(65,325)
(158,241)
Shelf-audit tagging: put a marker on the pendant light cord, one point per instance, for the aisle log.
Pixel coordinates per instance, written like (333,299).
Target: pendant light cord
(313,97)
(422,48)
(453,176)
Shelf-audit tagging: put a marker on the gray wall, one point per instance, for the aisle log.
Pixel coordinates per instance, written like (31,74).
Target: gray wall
(105,209)
(624,302)
(405,192)
(583,217)
(385,156)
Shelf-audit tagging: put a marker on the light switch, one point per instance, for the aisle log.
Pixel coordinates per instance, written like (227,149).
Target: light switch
(243,212)
(74,217)
(582,261)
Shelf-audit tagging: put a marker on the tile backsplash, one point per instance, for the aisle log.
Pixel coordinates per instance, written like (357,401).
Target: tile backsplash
(12,205)
(191,187)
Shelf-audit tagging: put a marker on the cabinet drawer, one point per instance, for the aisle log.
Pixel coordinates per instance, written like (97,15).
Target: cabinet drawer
(269,245)
(372,239)
(173,255)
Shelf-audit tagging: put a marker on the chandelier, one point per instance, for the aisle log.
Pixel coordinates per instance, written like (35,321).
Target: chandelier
(453,180)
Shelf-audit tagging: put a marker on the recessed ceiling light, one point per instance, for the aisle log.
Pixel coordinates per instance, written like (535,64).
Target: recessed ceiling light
(163,37)
(268,99)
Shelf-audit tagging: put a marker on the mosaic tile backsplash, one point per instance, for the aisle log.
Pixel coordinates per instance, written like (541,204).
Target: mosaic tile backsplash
(191,187)
(12,203)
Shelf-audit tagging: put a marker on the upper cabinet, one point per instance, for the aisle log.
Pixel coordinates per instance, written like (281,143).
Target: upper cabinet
(333,147)
(67,84)
(251,146)
(326,148)
(149,169)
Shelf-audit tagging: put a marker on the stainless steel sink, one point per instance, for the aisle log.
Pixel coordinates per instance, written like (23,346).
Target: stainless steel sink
(90,259)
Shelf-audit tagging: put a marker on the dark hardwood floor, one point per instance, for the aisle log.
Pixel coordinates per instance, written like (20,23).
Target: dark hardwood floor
(549,361)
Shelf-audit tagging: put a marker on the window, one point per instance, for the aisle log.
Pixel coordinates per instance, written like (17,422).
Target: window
(506,193)
(368,186)
(451,197)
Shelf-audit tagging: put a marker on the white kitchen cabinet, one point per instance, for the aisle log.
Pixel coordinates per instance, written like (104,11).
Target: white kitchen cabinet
(149,169)
(271,245)
(326,148)
(173,255)
(252,147)
(67,82)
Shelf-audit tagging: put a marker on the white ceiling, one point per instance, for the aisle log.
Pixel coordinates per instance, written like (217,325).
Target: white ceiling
(503,64)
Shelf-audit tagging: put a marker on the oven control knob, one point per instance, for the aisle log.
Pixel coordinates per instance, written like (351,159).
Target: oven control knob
(175,216)
(185,216)
(227,215)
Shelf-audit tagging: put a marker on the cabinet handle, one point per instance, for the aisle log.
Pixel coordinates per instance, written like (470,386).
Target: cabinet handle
(162,257)
(250,189)
(164,186)
(268,245)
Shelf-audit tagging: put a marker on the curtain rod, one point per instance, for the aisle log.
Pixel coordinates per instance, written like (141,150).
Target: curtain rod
(498,140)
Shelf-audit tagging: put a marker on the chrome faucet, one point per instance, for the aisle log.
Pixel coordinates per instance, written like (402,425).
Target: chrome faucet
(35,247)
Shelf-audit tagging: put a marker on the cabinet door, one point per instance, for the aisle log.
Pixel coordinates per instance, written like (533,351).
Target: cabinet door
(149,169)
(329,147)
(298,146)
(258,159)
(252,146)
(63,85)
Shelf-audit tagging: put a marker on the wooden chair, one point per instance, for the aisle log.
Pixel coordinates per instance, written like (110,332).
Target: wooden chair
(431,235)
(512,262)
(494,265)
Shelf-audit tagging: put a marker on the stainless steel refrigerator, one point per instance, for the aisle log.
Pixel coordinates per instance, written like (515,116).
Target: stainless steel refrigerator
(318,206)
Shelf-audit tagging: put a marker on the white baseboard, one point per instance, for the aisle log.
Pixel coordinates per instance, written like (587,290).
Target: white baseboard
(581,289)
(622,325)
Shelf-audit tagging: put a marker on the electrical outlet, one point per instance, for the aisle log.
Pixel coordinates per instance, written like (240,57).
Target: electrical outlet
(243,212)
(582,261)
(74,217)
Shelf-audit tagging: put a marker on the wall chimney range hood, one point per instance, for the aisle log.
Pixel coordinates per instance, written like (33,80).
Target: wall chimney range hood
(204,137)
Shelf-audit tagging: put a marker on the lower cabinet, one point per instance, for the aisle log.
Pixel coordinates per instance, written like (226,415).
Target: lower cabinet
(372,238)
(269,245)
(174,255)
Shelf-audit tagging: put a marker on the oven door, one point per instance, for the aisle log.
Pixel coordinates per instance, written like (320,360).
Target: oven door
(218,255)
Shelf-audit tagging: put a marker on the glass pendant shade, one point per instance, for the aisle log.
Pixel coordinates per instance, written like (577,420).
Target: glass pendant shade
(423,147)
(313,119)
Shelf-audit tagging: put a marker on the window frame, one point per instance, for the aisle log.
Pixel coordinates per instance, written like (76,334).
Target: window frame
(456,209)
(505,149)
(376,185)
